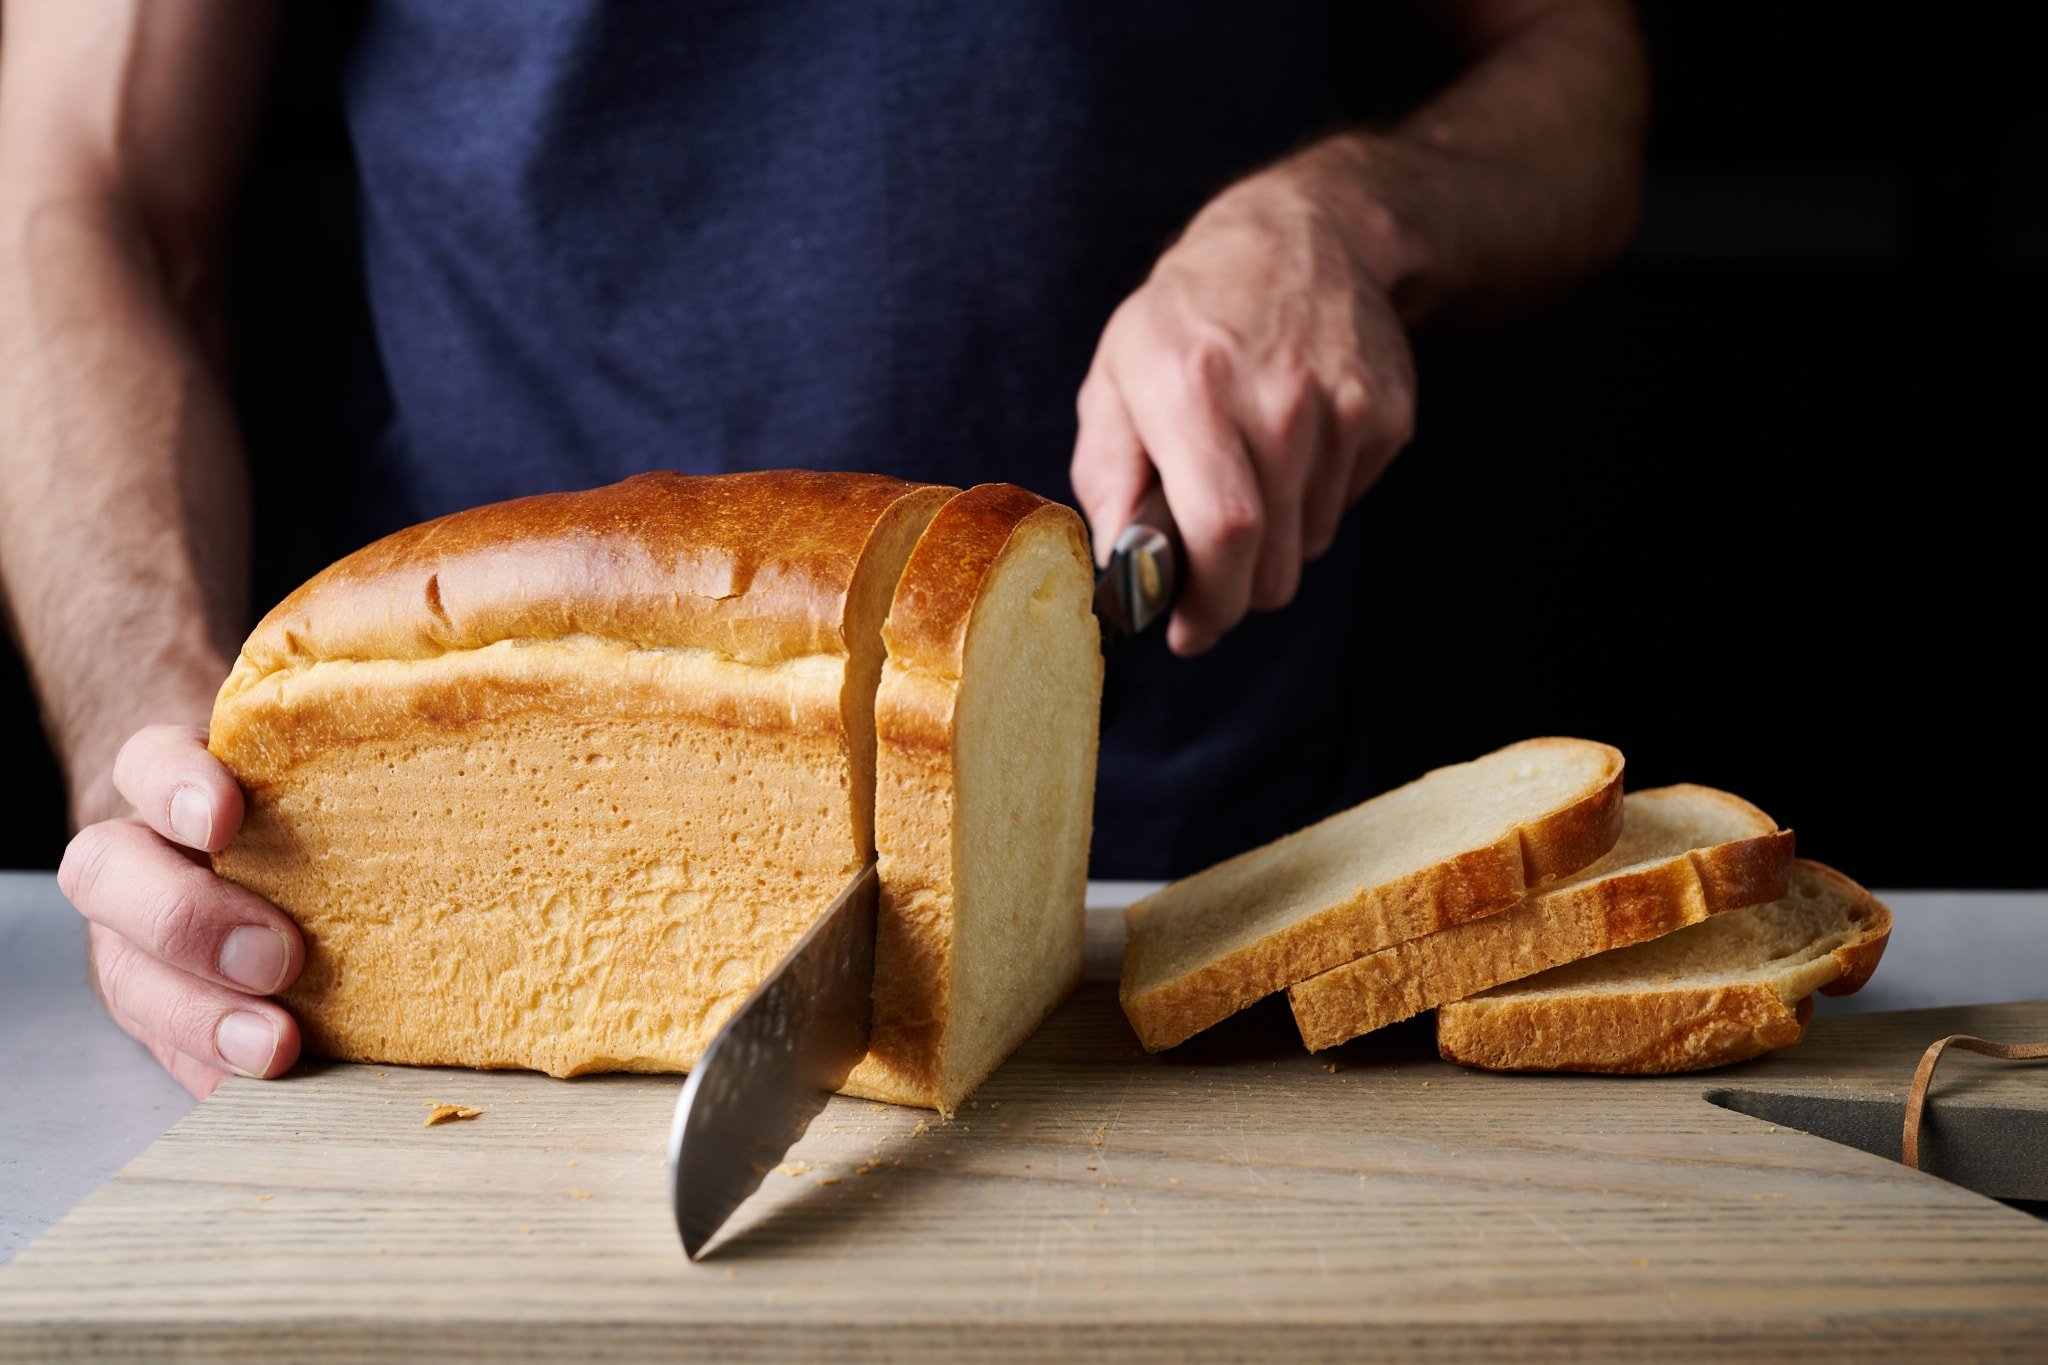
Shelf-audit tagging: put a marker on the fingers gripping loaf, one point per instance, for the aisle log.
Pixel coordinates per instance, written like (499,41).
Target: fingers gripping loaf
(987,720)
(554,783)
(1685,853)
(1721,991)
(1453,845)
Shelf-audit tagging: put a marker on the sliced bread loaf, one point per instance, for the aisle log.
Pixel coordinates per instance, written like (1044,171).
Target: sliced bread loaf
(1685,853)
(1453,845)
(987,720)
(553,783)
(1721,991)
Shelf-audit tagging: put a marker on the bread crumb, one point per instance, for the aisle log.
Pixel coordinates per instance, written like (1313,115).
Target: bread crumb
(828,1180)
(579,1194)
(526,1232)
(922,1128)
(1095,1139)
(574,1162)
(1642,1260)
(449,1113)
(793,1168)
(265,1198)
(874,1108)
(1425,1085)
(1173,1180)
(731,1274)
(1330,1067)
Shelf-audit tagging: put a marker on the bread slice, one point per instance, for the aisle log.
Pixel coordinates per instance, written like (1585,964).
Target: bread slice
(1685,853)
(1453,845)
(554,783)
(1721,991)
(987,716)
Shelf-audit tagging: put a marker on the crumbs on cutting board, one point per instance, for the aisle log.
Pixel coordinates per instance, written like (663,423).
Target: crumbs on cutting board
(448,1113)
(793,1168)
(579,1194)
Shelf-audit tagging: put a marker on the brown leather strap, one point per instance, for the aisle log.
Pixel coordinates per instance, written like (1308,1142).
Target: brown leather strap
(1916,1098)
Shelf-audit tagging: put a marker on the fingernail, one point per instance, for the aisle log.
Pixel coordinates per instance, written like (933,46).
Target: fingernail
(255,956)
(191,820)
(247,1042)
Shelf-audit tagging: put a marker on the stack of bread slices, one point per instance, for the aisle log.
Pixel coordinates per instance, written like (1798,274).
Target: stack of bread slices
(555,783)
(1551,922)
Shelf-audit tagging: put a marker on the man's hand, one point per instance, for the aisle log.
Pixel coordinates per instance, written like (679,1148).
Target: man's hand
(1263,370)
(181,957)
(1264,375)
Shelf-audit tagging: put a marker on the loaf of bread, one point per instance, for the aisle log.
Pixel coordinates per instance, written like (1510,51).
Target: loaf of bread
(1685,853)
(987,719)
(554,783)
(1453,845)
(1721,991)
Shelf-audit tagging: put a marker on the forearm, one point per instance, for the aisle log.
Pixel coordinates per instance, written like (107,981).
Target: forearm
(124,528)
(1512,184)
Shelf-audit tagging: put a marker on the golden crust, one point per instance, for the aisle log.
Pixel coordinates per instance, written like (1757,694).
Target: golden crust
(1654,1035)
(754,566)
(1554,926)
(1661,1031)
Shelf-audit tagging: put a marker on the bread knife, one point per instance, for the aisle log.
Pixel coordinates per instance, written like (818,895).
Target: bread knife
(769,1071)
(794,1040)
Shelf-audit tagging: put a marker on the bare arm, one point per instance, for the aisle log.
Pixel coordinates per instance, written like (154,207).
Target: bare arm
(124,527)
(1263,374)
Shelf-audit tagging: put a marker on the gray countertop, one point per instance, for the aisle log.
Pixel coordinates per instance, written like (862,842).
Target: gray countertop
(78,1098)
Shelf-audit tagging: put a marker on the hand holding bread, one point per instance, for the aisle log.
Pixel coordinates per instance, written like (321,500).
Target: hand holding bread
(184,960)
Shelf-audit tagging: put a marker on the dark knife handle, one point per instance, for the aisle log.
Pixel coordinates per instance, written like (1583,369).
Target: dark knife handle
(1146,566)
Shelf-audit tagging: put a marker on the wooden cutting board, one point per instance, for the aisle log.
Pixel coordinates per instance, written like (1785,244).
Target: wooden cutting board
(1233,1198)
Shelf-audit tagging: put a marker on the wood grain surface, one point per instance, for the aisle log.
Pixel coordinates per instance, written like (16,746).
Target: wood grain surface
(1232,1198)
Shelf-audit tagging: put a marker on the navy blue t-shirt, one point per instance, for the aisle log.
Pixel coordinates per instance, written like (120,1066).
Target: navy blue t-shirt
(603,237)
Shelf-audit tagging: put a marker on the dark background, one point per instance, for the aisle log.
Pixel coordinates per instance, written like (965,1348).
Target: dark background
(1752,507)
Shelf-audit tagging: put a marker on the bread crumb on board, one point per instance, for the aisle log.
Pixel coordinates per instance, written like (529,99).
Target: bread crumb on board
(793,1168)
(449,1113)
(1098,1137)
(579,1194)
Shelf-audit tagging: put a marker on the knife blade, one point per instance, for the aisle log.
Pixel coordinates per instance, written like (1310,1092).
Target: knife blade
(772,1067)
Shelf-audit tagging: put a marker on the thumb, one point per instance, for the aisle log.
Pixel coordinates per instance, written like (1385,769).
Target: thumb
(1111,471)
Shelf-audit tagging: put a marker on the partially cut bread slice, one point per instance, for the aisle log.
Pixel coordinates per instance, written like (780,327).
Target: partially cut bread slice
(1722,991)
(1453,845)
(1685,853)
(987,720)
